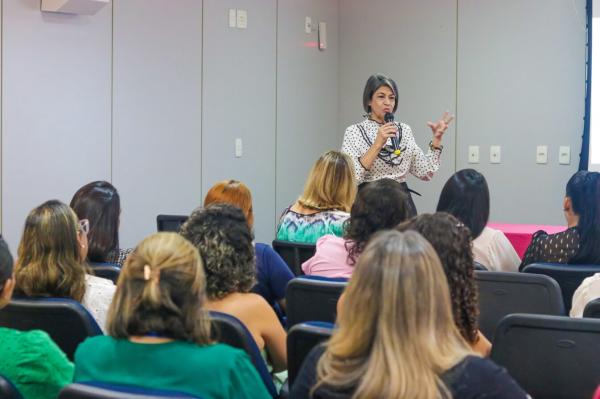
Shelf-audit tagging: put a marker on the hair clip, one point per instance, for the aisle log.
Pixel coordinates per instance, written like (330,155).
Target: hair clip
(147,272)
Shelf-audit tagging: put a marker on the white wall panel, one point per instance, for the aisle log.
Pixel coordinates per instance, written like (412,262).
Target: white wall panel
(55,107)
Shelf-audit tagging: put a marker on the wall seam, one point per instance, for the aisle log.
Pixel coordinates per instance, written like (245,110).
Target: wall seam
(276,108)
(1,114)
(112,90)
(456,97)
(202,96)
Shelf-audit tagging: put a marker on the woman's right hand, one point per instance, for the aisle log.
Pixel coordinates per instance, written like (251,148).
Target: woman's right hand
(384,133)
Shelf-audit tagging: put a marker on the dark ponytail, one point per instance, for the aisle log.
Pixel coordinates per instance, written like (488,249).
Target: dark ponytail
(583,189)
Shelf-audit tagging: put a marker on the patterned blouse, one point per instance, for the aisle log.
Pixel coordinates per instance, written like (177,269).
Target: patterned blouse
(118,256)
(552,248)
(359,138)
(297,227)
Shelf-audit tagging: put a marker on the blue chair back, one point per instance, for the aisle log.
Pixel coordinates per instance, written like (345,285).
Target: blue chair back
(568,277)
(170,222)
(503,293)
(66,321)
(312,298)
(300,341)
(106,270)
(8,390)
(99,390)
(550,356)
(294,254)
(592,309)
(231,331)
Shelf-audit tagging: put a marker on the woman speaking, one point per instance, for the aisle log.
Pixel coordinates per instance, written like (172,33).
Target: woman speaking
(382,148)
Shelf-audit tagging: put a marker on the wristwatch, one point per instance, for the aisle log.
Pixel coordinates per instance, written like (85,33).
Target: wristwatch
(433,148)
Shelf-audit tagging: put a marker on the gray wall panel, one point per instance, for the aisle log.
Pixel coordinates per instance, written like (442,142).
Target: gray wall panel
(307,93)
(521,84)
(56,107)
(239,102)
(157,111)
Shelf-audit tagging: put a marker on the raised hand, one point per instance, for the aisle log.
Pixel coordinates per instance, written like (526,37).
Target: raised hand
(439,128)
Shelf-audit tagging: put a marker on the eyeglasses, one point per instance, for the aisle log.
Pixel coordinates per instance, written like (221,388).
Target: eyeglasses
(84,226)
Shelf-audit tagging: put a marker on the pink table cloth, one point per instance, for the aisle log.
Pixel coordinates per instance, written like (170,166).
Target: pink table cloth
(519,235)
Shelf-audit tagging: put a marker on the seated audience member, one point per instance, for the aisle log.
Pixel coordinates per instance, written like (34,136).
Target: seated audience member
(579,243)
(221,234)
(159,331)
(396,337)
(29,359)
(50,261)
(272,273)
(99,202)
(452,242)
(379,205)
(323,207)
(466,196)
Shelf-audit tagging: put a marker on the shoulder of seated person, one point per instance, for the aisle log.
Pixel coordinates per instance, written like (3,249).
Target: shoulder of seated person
(328,238)
(95,280)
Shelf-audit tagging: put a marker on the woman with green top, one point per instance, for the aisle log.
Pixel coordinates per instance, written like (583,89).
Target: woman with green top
(160,332)
(29,359)
(324,206)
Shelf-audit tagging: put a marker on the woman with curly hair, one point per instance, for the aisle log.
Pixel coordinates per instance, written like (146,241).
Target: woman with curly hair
(379,205)
(224,239)
(396,336)
(452,241)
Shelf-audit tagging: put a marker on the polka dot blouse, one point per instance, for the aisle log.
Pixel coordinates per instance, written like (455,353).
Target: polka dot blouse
(359,138)
(553,248)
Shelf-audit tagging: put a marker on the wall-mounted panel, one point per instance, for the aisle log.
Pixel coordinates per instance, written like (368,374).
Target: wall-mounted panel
(56,72)
(239,102)
(157,111)
(413,42)
(307,93)
(521,83)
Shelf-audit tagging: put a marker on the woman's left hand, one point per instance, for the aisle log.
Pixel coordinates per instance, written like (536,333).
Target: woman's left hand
(439,128)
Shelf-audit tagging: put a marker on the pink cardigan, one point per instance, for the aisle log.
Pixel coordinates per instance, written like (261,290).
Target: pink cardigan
(330,259)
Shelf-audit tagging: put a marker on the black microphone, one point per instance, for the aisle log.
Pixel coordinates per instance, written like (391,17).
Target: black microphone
(389,117)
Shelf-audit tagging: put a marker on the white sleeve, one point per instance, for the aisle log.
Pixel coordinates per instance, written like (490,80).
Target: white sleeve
(354,147)
(504,254)
(99,293)
(585,293)
(422,165)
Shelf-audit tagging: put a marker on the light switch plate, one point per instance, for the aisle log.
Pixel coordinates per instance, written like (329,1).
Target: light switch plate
(322,36)
(232,18)
(242,19)
(308,25)
(564,155)
(495,154)
(541,155)
(473,154)
(238,148)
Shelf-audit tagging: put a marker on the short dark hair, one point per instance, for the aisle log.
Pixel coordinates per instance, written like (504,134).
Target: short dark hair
(99,202)
(379,205)
(375,82)
(466,196)
(583,189)
(224,239)
(6,263)
(452,242)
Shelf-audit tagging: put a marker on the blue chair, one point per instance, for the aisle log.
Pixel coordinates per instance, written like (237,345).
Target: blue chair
(99,390)
(106,270)
(231,331)
(592,309)
(550,356)
(66,321)
(8,390)
(170,222)
(312,298)
(294,254)
(300,340)
(568,277)
(503,293)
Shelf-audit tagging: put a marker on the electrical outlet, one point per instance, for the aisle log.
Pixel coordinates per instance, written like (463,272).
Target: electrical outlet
(495,154)
(564,155)
(541,155)
(473,154)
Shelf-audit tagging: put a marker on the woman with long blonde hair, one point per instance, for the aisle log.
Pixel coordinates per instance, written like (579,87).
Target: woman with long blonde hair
(325,203)
(51,260)
(396,337)
(159,330)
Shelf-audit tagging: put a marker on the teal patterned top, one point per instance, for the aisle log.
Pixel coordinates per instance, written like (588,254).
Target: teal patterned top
(297,227)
